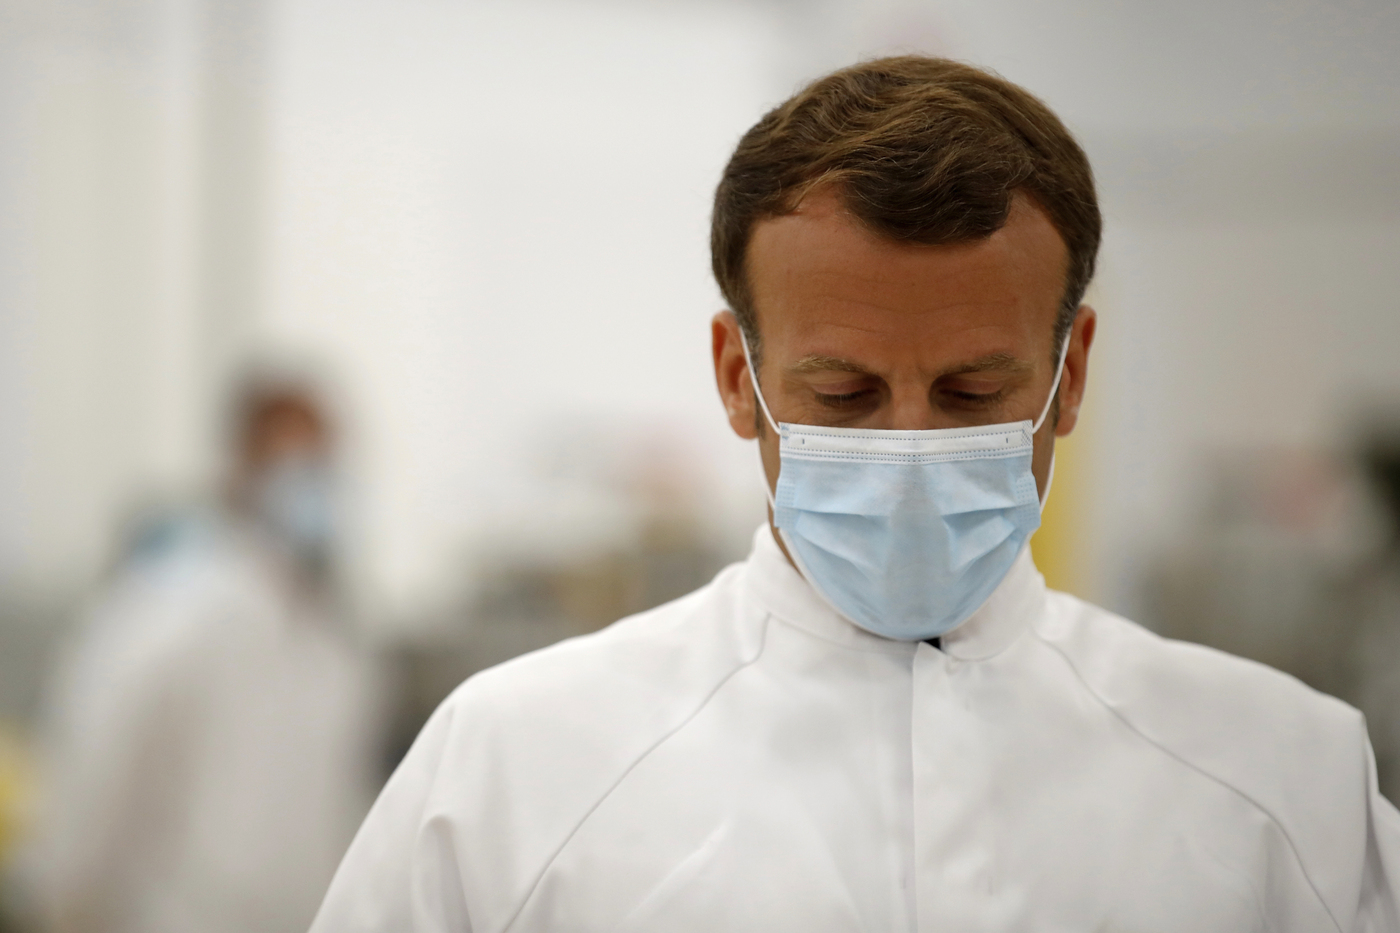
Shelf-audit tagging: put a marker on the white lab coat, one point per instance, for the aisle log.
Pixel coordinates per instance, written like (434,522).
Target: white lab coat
(212,749)
(744,759)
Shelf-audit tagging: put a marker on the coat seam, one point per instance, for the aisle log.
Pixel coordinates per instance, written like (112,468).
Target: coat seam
(1117,714)
(665,737)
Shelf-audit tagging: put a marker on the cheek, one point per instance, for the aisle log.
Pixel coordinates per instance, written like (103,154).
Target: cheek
(1040,462)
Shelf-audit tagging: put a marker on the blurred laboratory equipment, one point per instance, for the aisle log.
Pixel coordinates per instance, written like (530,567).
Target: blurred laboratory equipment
(1256,573)
(212,726)
(613,528)
(1372,594)
(17,789)
(1294,561)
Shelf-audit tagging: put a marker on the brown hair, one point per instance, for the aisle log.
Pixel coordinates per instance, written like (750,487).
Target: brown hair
(921,149)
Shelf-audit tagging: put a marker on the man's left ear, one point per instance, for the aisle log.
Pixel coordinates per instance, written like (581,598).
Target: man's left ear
(1072,382)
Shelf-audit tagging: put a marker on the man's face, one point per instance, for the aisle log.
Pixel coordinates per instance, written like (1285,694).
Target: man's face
(286,484)
(861,331)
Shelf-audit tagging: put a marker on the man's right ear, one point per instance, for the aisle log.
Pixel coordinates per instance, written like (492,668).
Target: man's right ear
(732,374)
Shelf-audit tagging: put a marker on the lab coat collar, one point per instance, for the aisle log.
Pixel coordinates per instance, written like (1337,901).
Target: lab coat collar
(1007,613)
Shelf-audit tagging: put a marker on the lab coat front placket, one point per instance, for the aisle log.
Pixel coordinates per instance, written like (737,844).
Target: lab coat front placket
(955,857)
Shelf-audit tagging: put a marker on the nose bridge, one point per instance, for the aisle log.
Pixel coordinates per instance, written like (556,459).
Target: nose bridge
(911,405)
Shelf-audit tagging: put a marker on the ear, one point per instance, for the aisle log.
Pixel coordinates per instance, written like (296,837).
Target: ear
(1072,382)
(732,373)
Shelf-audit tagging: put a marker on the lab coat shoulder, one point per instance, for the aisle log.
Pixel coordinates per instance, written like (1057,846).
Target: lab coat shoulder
(517,758)
(136,641)
(1297,756)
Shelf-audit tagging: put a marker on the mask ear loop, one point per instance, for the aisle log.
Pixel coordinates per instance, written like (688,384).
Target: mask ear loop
(758,394)
(1054,390)
(1055,387)
(792,551)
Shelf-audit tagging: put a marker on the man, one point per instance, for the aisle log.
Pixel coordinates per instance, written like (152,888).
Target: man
(213,728)
(882,720)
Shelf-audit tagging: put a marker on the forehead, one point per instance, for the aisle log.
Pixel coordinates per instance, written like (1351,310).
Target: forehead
(821,276)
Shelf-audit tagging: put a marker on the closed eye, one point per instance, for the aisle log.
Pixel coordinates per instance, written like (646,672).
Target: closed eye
(844,399)
(977,398)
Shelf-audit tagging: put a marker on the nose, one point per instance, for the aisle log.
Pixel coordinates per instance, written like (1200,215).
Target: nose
(909,407)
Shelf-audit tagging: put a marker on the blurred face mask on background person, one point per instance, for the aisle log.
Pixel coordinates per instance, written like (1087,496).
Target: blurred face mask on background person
(294,498)
(906,533)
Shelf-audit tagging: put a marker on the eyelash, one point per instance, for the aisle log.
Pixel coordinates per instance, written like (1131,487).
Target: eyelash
(986,398)
(837,401)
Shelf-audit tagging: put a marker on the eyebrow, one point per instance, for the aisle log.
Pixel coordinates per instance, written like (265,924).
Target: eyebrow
(821,364)
(992,362)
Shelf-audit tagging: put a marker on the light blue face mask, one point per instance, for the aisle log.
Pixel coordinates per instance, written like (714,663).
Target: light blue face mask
(295,498)
(906,533)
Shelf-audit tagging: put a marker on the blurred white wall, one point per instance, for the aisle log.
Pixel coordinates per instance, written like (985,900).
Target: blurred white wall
(129,175)
(488,221)
(494,217)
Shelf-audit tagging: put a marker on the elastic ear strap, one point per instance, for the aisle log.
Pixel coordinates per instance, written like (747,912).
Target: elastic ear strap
(753,377)
(1054,389)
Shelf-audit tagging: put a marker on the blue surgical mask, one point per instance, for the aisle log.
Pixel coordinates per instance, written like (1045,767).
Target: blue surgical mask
(295,498)
(906,533)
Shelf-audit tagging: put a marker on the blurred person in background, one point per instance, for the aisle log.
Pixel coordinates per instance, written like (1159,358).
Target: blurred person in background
(213,726)
(883,720)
